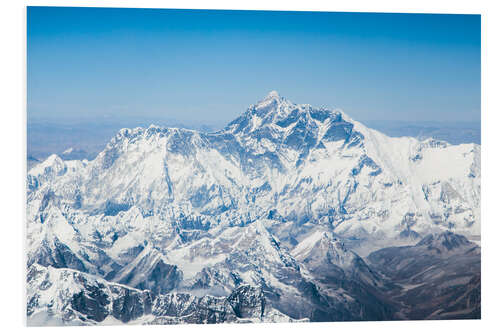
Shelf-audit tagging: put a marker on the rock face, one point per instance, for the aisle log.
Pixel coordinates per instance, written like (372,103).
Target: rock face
(268,219)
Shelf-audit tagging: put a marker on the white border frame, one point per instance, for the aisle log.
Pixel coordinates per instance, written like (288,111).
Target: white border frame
(13,139)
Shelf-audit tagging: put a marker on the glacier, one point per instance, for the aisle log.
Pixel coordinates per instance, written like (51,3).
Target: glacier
(289,213)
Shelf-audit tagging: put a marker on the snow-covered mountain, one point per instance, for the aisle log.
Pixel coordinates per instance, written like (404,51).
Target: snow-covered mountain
(285,198)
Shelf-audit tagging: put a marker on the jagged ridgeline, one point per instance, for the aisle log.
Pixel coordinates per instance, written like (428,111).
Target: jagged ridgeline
(290,213)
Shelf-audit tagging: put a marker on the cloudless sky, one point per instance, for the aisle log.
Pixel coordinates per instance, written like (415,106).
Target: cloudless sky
(209,66)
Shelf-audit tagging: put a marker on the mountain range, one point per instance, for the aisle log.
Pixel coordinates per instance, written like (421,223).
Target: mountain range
(289,213)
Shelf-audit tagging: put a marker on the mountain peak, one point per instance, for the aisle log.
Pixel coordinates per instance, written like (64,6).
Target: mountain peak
(273,98)
(272,95)
(445,241)
(298,126)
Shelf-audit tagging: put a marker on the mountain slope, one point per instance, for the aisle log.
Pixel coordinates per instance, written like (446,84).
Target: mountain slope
(440,277)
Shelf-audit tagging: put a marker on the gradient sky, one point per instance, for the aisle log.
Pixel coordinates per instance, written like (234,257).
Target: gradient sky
(208,66)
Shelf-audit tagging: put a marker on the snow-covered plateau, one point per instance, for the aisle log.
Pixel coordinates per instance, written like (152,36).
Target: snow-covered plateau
(290,213)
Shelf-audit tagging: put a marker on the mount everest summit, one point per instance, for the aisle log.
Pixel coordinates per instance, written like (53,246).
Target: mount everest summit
(289,213)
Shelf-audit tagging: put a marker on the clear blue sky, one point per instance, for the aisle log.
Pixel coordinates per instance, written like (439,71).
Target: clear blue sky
(208,66)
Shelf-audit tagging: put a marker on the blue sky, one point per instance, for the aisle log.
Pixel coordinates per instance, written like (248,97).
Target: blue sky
(208,66)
